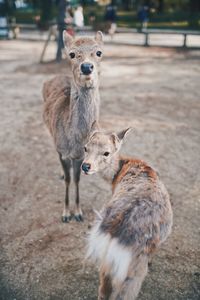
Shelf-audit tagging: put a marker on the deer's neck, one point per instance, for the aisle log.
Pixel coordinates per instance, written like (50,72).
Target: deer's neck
(84,107)
(116,170)
(110,172)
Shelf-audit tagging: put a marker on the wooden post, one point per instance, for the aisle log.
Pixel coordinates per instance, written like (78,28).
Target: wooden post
(46,43)
(146,42)
(185,40)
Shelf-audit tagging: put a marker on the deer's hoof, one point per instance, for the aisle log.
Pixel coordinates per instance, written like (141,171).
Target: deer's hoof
(79,218)
(66,219)
(100,297)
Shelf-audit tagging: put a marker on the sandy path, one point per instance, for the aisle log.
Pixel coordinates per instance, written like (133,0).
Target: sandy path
(155,91)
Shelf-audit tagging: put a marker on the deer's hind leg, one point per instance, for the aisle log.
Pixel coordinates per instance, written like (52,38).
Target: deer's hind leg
(66,165)
(105,286)
(77,170)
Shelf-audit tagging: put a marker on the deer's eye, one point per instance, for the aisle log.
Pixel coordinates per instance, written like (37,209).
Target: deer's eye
(106,153)
(72,54)
(99,53)
(85,149)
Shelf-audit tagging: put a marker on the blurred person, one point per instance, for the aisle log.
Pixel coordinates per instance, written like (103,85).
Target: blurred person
(69,21)
(3,19)
(110,18)
(143,16)
(6,10)
(78,17)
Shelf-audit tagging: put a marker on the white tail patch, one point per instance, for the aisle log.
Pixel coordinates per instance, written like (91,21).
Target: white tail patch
(98,243)
(109,253)
(119,259)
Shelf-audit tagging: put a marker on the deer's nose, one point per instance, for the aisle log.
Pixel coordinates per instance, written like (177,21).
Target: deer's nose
(86,167)
(87,68)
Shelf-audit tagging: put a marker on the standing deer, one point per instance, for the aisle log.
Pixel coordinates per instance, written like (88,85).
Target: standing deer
(71,106)
(132,225)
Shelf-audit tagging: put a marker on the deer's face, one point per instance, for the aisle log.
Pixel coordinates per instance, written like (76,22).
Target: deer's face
(102,150)
(85,55)
(99,152)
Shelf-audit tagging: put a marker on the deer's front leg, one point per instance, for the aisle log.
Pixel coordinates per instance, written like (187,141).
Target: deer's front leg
(66,165)
(77,170)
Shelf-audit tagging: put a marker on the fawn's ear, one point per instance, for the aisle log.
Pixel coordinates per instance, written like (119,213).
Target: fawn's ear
(67,39)
(122,134)
(117,138)
(116,142)
(94,128)
(99,37)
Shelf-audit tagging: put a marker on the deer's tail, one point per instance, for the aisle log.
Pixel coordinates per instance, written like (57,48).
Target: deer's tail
(127,268)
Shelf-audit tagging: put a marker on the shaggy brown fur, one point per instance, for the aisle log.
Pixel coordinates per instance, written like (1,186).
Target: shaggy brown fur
(133,224)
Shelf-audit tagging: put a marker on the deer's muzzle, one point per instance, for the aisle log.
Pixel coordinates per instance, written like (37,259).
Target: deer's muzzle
(87,68)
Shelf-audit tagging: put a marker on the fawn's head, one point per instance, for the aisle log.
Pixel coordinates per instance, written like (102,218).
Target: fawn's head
(101,150)
(85,54)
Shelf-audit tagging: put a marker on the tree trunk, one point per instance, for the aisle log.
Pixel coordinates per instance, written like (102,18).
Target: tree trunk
(126,4)
(161,6)
(46,9)
(194,9)
(194,6)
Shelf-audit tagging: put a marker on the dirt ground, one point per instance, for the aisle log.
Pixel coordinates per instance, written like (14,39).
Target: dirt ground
(157,92)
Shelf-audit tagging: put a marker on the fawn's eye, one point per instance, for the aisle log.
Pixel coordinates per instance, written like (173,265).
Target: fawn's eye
(99,53)
(106,153)
(72,54)
(85,149)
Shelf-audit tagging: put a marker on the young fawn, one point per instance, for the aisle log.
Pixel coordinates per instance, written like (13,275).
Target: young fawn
(133,224)
(71,105)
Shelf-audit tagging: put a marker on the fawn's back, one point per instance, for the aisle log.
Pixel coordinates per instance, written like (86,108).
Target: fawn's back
(136,220)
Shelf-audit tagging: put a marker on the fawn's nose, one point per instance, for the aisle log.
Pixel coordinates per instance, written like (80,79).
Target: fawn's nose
(86,167)
(87,68)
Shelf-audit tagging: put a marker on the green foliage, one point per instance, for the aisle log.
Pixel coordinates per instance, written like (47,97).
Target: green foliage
(26,17)
(171,19)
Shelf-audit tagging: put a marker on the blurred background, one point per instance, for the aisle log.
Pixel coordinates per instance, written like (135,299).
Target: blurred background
(170,14)
(136,22)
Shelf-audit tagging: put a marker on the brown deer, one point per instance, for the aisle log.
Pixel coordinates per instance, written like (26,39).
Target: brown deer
(71,105)
(133,224)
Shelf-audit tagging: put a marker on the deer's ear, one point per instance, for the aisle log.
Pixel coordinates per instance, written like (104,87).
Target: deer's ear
(122,134)
(67,39)
(94,128)
(99,37)
(115,140)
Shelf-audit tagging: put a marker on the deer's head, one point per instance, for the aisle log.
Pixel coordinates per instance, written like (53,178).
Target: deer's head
(101,150)
(85,54)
